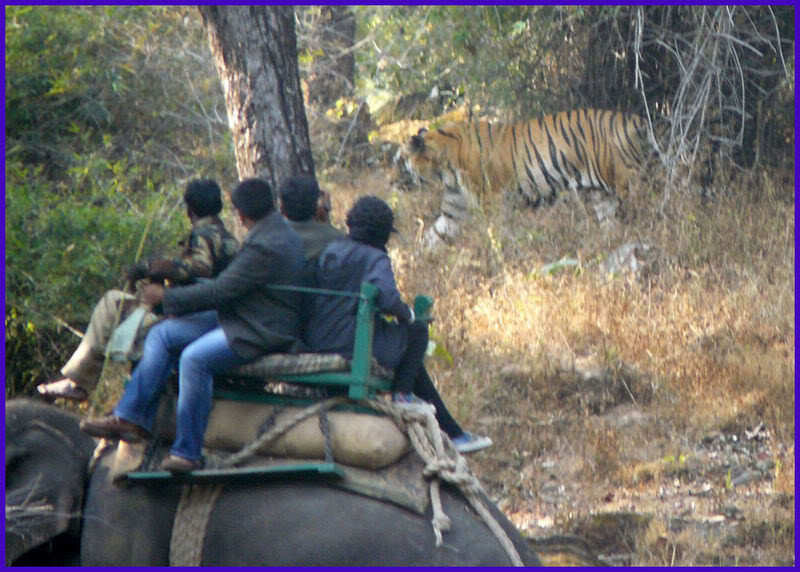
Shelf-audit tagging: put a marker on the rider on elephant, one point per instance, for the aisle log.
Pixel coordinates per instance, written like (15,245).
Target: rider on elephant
(399,343)
(206,251)
(219,324)
(307,208)
(308,212)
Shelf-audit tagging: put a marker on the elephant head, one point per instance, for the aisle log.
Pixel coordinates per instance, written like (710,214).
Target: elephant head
(46,468)
(279,522)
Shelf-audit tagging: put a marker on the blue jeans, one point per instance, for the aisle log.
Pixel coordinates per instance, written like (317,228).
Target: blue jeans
(196,344)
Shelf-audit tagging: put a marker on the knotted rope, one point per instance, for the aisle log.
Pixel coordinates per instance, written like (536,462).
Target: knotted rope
(443,462)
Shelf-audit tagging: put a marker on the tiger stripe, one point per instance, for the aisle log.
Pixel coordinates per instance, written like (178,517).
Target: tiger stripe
(476,161)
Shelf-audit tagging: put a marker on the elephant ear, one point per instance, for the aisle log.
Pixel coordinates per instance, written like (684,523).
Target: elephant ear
(46,467)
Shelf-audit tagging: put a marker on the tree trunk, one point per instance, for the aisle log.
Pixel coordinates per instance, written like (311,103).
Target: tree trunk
(255,51)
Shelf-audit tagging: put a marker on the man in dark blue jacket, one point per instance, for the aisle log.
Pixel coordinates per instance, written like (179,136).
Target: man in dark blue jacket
(220,324)
(398,344)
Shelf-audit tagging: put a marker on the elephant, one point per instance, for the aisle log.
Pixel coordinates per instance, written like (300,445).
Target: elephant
(46,470)
(95,521)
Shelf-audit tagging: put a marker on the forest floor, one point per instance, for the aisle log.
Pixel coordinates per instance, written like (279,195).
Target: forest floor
(715,506)
(637,421)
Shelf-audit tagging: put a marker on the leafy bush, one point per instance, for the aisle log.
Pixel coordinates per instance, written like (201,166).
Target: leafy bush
(109,111)
(518,59)
(63,250)
(131,82)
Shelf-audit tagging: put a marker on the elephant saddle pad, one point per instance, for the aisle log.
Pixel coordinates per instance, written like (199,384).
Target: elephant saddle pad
(401,483)
(271,365)
(366,440)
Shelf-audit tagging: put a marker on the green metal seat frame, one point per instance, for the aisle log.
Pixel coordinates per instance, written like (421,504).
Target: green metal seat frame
(298,471)
(359,381)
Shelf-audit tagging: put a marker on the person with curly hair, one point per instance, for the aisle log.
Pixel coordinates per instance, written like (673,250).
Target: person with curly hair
(399,342)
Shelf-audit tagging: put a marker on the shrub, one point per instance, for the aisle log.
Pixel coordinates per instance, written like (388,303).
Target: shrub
(62,251)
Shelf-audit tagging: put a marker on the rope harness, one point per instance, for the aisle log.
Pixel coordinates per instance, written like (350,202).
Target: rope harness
(442,463)
(191,520)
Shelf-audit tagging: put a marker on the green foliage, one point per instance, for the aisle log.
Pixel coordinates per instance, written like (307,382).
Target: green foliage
(136,82)
(110,110)
(63,250)
(517,58)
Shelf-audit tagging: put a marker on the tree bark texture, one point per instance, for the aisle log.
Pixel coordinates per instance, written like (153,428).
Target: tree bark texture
(255,51)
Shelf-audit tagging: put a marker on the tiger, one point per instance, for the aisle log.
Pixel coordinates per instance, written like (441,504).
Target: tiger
(583,149)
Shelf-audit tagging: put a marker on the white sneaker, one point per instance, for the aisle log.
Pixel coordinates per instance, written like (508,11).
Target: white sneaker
(468,443)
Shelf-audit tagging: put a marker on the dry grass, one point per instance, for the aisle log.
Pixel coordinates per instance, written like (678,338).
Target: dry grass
(704,342)
(713,328)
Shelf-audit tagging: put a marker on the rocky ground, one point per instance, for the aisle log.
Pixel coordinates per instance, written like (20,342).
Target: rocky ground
(714,504)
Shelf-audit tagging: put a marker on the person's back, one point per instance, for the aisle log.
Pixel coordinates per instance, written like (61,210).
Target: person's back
(316,236)
(253,318)
(399,343)
(344,265)
(219,249)
(300,198)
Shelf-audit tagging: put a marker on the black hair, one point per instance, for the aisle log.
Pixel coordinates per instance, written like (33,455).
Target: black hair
(203,197)
(299,196)
(371,221)
(253,198)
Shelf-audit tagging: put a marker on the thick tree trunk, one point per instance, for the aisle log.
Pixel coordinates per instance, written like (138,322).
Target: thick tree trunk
(255,51)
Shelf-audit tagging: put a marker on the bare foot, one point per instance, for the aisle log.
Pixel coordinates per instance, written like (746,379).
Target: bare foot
(63,388)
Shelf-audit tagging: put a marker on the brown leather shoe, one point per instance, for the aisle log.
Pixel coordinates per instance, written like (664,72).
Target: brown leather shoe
(64,388)
(113,427)
(176,464)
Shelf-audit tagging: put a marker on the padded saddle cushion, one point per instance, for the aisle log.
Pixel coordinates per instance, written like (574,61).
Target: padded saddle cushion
(276,364)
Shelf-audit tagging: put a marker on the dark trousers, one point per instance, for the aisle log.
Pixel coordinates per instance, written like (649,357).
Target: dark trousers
(412,377)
